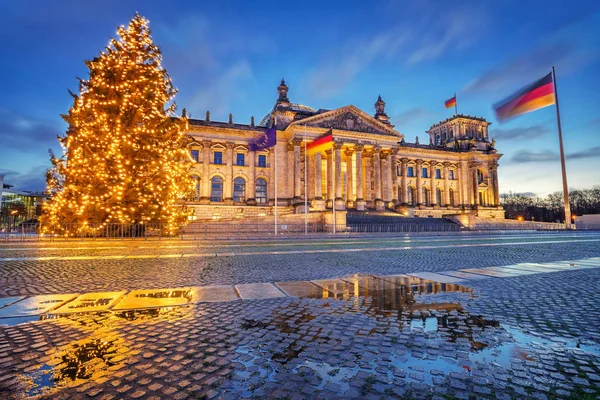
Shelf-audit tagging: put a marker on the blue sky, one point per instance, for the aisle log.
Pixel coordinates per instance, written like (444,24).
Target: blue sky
(228,56)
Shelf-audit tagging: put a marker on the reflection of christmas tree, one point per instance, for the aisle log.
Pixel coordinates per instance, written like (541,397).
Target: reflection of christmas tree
(126,159)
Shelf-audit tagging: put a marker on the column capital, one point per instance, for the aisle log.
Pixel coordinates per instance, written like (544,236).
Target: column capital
(328,152)
(446,164)
(384,154)
(367,153)
(338,145)
(377,149)
(419,162)
(359,147)
(394,151)
(229,145)
(297,141)
(349,151)
(474,164)
(493,166)
(290,146)
(404,160)
(206,143)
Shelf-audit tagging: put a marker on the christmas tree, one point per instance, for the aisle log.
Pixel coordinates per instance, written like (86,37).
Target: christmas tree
(125,156)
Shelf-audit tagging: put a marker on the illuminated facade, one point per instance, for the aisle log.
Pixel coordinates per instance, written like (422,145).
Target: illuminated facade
(369,167)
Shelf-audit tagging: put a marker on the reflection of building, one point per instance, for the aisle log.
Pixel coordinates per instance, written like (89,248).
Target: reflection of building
(17,206)
(374,167)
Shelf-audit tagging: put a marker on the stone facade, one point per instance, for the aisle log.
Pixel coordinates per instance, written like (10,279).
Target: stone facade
(370,165)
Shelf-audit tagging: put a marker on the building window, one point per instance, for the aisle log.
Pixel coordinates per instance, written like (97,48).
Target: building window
(218,157)
(438,196)
(195,154)
(480,176)
(197,187)
(261,191)
(424,172)
(451,197)
(411,172)
(239,190)
(426,199)
(438,174)
(216,189)
(451,174)
(262,161)
(410,195)
(239,160)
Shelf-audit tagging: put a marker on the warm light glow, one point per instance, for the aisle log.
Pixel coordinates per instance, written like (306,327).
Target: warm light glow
(519,218)
(125,154)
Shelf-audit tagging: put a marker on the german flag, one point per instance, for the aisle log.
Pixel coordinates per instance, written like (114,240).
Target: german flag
(538,95)
(319,144)
(450,102)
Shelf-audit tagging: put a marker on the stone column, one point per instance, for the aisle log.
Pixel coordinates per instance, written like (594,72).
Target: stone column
(432,186)
(360,195)
(290,165)
(394,171)
(228,184)
(404,180)
(329,154)
(319,203)
(297,171)
(205,184)
(419,182)
(339,201)
(494,183)
(368,172)
(349,189)
(475,191)
(251,184)
(446,185)
(379,205)
(310,174)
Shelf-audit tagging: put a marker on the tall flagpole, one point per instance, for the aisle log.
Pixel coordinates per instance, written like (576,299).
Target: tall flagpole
(275,155)
(455,105)
(562,158)
(305,185)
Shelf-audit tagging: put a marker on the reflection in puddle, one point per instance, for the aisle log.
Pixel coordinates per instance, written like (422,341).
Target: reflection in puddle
(428,334)
(84,359)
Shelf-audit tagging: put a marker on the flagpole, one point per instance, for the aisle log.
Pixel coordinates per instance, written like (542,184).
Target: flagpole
(562,158)
(455,105)
(305,185)
(275,155)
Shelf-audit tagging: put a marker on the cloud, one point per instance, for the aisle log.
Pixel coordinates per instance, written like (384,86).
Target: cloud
(412,115)
(333,75)
(567,49)
(22,132)
(451,31)
(519,133)
(592,152)
(526,156)
(218,94)
(34,179)
(422,31)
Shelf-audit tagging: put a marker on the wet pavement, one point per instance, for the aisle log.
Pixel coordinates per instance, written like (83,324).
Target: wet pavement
(459,329)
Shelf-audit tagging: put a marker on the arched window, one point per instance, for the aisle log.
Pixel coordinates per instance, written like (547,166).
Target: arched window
(410,195)
(480,178)
(261,191)
(197,187)
(216,189)
(426,199)
(438,196)
(438,139)
(451,197)
(239,190)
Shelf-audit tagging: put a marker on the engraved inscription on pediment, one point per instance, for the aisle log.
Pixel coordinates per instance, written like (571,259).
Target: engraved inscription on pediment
(347,121)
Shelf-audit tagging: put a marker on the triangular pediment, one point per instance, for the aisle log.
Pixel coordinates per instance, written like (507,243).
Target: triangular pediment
(348,118)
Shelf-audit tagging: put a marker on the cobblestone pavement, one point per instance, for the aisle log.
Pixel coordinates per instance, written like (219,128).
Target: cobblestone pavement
(523,336)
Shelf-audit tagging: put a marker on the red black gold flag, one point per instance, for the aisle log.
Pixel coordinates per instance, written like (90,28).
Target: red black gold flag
(450,102)
(319,144)
(538,95)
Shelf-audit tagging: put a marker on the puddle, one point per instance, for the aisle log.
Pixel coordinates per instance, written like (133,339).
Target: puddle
(18,320)
(431,336)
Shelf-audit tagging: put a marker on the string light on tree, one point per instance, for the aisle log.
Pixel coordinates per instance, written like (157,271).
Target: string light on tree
(125,156)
